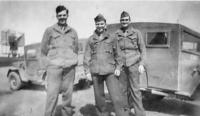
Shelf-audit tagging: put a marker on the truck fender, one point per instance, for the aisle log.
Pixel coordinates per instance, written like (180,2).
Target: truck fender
(13,69)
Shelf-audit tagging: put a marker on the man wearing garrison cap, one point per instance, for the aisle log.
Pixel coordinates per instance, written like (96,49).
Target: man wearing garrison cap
(102,62)
(133,52)
(59,51)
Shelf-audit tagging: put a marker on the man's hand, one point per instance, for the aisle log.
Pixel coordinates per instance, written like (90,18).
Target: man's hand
(141,69)
(88,76)
(117,72)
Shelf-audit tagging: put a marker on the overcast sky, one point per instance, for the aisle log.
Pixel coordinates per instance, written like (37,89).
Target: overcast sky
(34,17)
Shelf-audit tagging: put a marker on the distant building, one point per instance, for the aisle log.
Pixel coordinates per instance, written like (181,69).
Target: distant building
(11,43)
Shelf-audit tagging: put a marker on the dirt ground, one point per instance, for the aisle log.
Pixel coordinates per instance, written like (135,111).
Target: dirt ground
(30,101)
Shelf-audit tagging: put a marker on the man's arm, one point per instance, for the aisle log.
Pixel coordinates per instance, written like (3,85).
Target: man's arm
(44,49)
(45,43)
(117,54)
(142,48)
(87,58)
(76,43)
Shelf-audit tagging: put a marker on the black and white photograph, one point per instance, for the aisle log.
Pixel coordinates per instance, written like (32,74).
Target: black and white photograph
(99,58)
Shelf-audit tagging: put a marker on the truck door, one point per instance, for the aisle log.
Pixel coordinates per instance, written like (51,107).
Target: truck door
(189,63)
(33,71)
(162,58)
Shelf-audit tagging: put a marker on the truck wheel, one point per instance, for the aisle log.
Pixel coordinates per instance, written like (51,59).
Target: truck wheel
(14,81)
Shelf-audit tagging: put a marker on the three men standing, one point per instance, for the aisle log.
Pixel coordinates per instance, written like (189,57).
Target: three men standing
(59,51)
(102,62)
(105,55)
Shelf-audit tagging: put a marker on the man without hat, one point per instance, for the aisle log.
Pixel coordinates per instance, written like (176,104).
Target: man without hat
(133,51)
(102,62)
(59,50)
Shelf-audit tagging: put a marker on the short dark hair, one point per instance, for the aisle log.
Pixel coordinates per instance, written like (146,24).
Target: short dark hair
(61,8)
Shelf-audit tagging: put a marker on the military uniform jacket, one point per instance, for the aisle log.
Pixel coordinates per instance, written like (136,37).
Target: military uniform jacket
(132,46)
(59,47)
(102,56)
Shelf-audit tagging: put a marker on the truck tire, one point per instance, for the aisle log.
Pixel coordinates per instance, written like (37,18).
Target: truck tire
(14,81)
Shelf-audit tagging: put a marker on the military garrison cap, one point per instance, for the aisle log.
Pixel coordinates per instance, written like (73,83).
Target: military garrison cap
(124,14)
(99,17)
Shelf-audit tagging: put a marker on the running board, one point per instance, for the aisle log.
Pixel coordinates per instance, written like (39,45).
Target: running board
(156,92)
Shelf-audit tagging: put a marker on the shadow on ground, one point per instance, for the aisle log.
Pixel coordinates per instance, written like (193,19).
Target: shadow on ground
(87,110)
(5,92)
(58,111)
(90,109)
(167,106)
(170,106)
(34,87)
(82,84)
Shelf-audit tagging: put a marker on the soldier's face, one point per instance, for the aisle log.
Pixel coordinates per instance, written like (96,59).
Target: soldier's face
(100,26)
(125,21)
(62,17)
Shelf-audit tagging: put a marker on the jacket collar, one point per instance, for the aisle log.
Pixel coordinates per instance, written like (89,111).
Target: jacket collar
(129,31)
(105,35)
(57,28)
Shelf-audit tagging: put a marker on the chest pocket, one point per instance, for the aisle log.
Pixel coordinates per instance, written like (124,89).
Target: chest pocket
(108,46)
(133,39)
(53,40)
(93,47)
(123,42)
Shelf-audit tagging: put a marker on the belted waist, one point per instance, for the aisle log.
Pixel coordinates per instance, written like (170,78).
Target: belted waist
(123,48)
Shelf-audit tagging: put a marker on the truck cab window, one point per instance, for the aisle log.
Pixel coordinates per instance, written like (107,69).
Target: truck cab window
(157,39)
(191,43)
(190,46)
(31,53)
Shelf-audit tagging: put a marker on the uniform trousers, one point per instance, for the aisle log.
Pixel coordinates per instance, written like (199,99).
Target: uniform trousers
(59,80)
(115,92)
(129,81)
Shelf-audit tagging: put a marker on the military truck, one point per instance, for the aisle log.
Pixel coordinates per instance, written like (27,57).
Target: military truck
(27,68)
(173,58)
